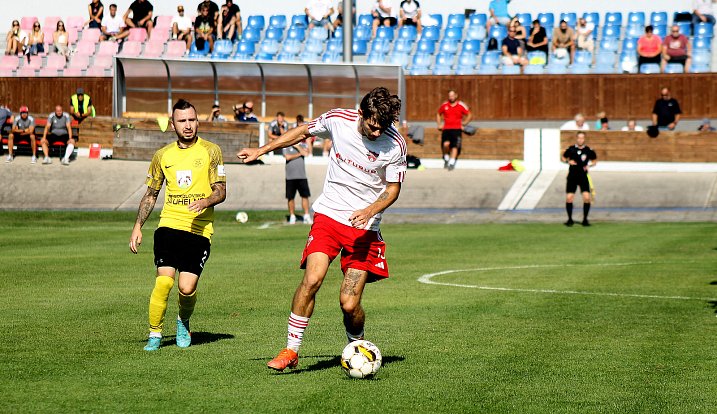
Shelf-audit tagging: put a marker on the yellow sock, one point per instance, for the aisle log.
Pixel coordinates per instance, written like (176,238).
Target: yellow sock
(186,305)
(158,302)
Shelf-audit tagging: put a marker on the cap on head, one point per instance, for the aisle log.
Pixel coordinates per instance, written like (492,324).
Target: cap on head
(80,91)
(24,109)
(705,121)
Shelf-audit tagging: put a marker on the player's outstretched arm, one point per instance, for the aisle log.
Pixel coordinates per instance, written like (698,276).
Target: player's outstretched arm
(360,218)
(291,137)
(145,209)
(218,195)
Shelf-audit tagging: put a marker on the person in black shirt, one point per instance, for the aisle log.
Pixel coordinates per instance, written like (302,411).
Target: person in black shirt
(538,39)
(141,15)
(512,50)
(96,10)
(581,158)
(204,29)
(213,10)
(666,112)
(235,12)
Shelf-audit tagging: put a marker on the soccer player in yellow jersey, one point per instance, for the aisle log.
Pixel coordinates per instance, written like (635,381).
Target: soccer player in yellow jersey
(194,174)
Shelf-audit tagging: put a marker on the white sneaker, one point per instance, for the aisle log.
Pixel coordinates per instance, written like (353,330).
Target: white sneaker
(9,158)
(33,160)
(307,219)
(47,161)
(292,219)
(65,161)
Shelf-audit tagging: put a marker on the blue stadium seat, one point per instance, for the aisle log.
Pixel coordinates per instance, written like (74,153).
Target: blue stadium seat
(331,57)
(365,20)
(318,33)
(579,69)
(613,19)
(375,58)
(601,68)
(660,30)
(490,58)
(634,31)
(611,31)
(701,57)
(384,32)
(570,18)
(583,57)
(488,70)
(456,20)
(339,32)
(658,18)
(466,70)
(546,20)
(277,21)
(315,46)
(421,62)
(264,56)
(296,33)
(441,70)
(306,57)
(196,53)
(537,58)
(700,68)
(554,69)
(245,50)
(510,70)
(453,33)
(299,20)
(408,32)
(431,33)
(472,46)
(476,33)
(498,32)
(400,59)
(650,68)
(334,45)
(468,59)
(685,28)
(447,45)
(637,18)
(628,62)
(251,35)
(362,33)
(403,46)
(222,49)
(704,30)
(592,17)
(274,33)
(704,43)
(610,44)
(256,22)
(291,46)
(438,18)
(445,59)
(269,47)
(359,47)
(478,19)
(525,20)
(286,57)
(382,46)
(674,68)
(629,45)
(605,58)
(534,70)
(426,46)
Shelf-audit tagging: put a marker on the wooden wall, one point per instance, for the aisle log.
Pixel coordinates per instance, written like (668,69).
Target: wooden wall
(486,144)
(42,94)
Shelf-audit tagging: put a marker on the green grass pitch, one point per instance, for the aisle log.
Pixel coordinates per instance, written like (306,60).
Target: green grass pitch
(534,318)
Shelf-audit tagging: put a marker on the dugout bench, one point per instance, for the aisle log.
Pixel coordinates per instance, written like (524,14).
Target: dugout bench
(22,146)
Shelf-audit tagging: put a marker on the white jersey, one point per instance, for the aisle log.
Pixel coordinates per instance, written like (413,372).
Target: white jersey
(359,168)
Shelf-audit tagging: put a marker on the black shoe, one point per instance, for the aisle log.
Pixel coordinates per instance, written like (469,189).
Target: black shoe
(586,223)
(569,223)
(451,167)
(445,163)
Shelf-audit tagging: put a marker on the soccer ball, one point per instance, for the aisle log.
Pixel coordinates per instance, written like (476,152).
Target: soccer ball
(242,217)
(361,359)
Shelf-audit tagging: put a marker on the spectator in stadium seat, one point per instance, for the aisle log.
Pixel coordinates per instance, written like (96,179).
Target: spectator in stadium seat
(339,20)
(649,48)
(666,112)
(497,14)
(296,179)
(213,9)
(227,24)
(58,127)
(61,40)
(16,39)
(247,114)
(81,106)
(453,115)
(319,14)
(113,26)
(37,41)
(705,126)
(564,41)
(584,37)
(204,29)
(182,27)
(538,39)
(383,15)
(24,126)
(702,12)
(410,14)
(236,12)
(577,124)
(216,115)
(512,50)
(632,126)
(96,11)
(5,114)
(141,15)
(676,48)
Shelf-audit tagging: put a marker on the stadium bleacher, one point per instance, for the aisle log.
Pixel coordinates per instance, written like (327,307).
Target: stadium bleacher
(456,47)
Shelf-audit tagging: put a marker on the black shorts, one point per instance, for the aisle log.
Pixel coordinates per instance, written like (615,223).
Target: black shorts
(655,59)
(58,139)
(453,137)
(392,21)
(301,185)
(575,180)
(409,22)
(678,59)
(182,250)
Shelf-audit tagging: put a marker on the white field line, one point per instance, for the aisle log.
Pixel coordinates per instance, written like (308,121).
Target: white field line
(428,279)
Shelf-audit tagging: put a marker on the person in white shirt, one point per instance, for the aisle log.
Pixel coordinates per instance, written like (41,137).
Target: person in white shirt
(113,26)
(319,13)
(410,14)
(366,168)
(383,15)
(584,36)
(632,126)
(182,27)
(703,12)
(16,40)
(578,124)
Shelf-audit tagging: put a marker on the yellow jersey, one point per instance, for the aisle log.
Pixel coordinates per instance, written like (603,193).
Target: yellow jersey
(189,174)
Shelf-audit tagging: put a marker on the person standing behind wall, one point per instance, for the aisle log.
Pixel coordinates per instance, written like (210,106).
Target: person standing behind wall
(452,116)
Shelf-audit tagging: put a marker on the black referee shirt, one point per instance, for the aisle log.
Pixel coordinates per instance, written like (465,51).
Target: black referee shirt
(582,156)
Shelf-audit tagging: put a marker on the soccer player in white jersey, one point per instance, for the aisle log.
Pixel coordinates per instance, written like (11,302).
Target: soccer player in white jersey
(367,165)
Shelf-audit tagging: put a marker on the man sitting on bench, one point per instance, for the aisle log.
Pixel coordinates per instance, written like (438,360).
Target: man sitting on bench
(23,129)
(59,128)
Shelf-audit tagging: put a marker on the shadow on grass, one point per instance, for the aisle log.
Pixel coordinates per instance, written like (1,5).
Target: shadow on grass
(321,362)
(198,338)
(713,304)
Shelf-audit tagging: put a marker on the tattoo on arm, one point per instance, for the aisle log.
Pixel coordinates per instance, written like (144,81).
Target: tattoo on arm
(219,194)
(383,196)
(147,205)
(351,281)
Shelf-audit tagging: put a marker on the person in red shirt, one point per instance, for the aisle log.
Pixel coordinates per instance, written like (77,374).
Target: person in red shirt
(452,116)
(649,48)
(676,48)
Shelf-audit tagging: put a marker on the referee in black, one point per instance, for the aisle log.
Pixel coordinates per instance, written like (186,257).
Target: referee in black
(581,158)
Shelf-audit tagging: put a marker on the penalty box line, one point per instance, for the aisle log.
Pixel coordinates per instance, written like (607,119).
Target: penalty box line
(428,279)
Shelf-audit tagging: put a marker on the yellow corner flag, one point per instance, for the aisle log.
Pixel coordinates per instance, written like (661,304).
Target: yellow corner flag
(592,187)
(163,123)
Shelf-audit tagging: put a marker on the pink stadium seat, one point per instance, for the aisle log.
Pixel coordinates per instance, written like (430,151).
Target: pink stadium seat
(85,48)
(153,49)
(102,62)
(25,72)
(9,62)
(137,34)
(131,49)
(73,72)
(33,63)
(175,48)
(48,31)
(72,36)
(75,22)
(27,22)
(51,22)
(97,72)
(55,62)
(6,73)
(79,61)
(163,22)
(107,49)
(159,36)
(48,72)
(91,35)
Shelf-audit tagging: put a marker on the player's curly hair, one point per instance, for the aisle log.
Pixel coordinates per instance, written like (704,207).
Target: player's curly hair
(380,106)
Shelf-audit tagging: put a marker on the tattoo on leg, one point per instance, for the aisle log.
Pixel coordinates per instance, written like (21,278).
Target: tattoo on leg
(352,279)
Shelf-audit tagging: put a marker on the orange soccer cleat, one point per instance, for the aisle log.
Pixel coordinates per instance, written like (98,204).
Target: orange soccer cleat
(286,358)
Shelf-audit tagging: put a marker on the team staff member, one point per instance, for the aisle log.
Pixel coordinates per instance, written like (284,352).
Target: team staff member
(59,128)
(452,116)
(24,126)
(581,158)
(81,106)
(194,174)
(366,169)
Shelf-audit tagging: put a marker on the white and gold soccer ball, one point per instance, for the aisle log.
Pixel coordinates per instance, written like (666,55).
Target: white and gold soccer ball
(361,359)
(242,217)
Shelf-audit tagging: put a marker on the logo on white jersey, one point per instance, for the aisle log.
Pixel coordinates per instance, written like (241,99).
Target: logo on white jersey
(372,156)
